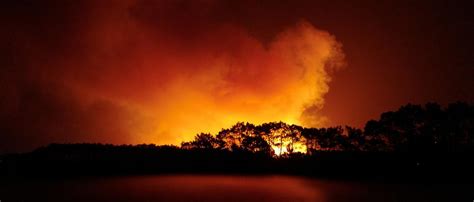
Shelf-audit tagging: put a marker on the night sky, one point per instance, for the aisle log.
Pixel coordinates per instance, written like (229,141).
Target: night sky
(138,71)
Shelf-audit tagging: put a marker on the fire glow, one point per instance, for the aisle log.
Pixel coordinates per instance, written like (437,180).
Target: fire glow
(130,78)
(228,77)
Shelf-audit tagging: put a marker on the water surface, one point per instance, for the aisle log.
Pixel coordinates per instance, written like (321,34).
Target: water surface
(224,188)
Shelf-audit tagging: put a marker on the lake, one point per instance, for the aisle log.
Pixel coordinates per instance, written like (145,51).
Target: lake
(225,188)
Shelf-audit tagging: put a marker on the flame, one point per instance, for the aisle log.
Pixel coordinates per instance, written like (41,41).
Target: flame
(298,147)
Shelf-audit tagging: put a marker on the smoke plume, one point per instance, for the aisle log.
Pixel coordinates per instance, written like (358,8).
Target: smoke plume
(151,72)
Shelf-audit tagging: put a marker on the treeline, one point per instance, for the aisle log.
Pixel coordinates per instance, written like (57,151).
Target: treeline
(415,142)
(412,128)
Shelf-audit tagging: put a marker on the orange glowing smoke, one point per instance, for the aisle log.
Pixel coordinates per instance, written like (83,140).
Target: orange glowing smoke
(226,77)
(237,79)
(140,75)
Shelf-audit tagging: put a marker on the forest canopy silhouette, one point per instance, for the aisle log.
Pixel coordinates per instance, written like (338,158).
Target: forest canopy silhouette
(410,128)
(413,142)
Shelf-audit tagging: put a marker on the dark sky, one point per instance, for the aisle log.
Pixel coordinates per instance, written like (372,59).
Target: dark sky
(159,71)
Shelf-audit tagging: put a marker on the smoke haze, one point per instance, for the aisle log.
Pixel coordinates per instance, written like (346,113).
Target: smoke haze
(152,72)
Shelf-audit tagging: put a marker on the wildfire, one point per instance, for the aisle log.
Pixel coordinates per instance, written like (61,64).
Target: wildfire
(139,74)
(296,147)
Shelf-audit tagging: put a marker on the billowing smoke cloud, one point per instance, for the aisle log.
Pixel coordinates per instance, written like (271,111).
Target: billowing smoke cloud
(151,71)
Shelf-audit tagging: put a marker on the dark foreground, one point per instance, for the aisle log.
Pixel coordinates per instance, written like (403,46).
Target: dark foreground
(225,188)
(82,160)
(94,172)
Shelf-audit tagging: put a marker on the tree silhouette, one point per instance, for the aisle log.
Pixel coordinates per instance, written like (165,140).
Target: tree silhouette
(256,144)
(411,128)
(203,141)
(414,137)
(356,140)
